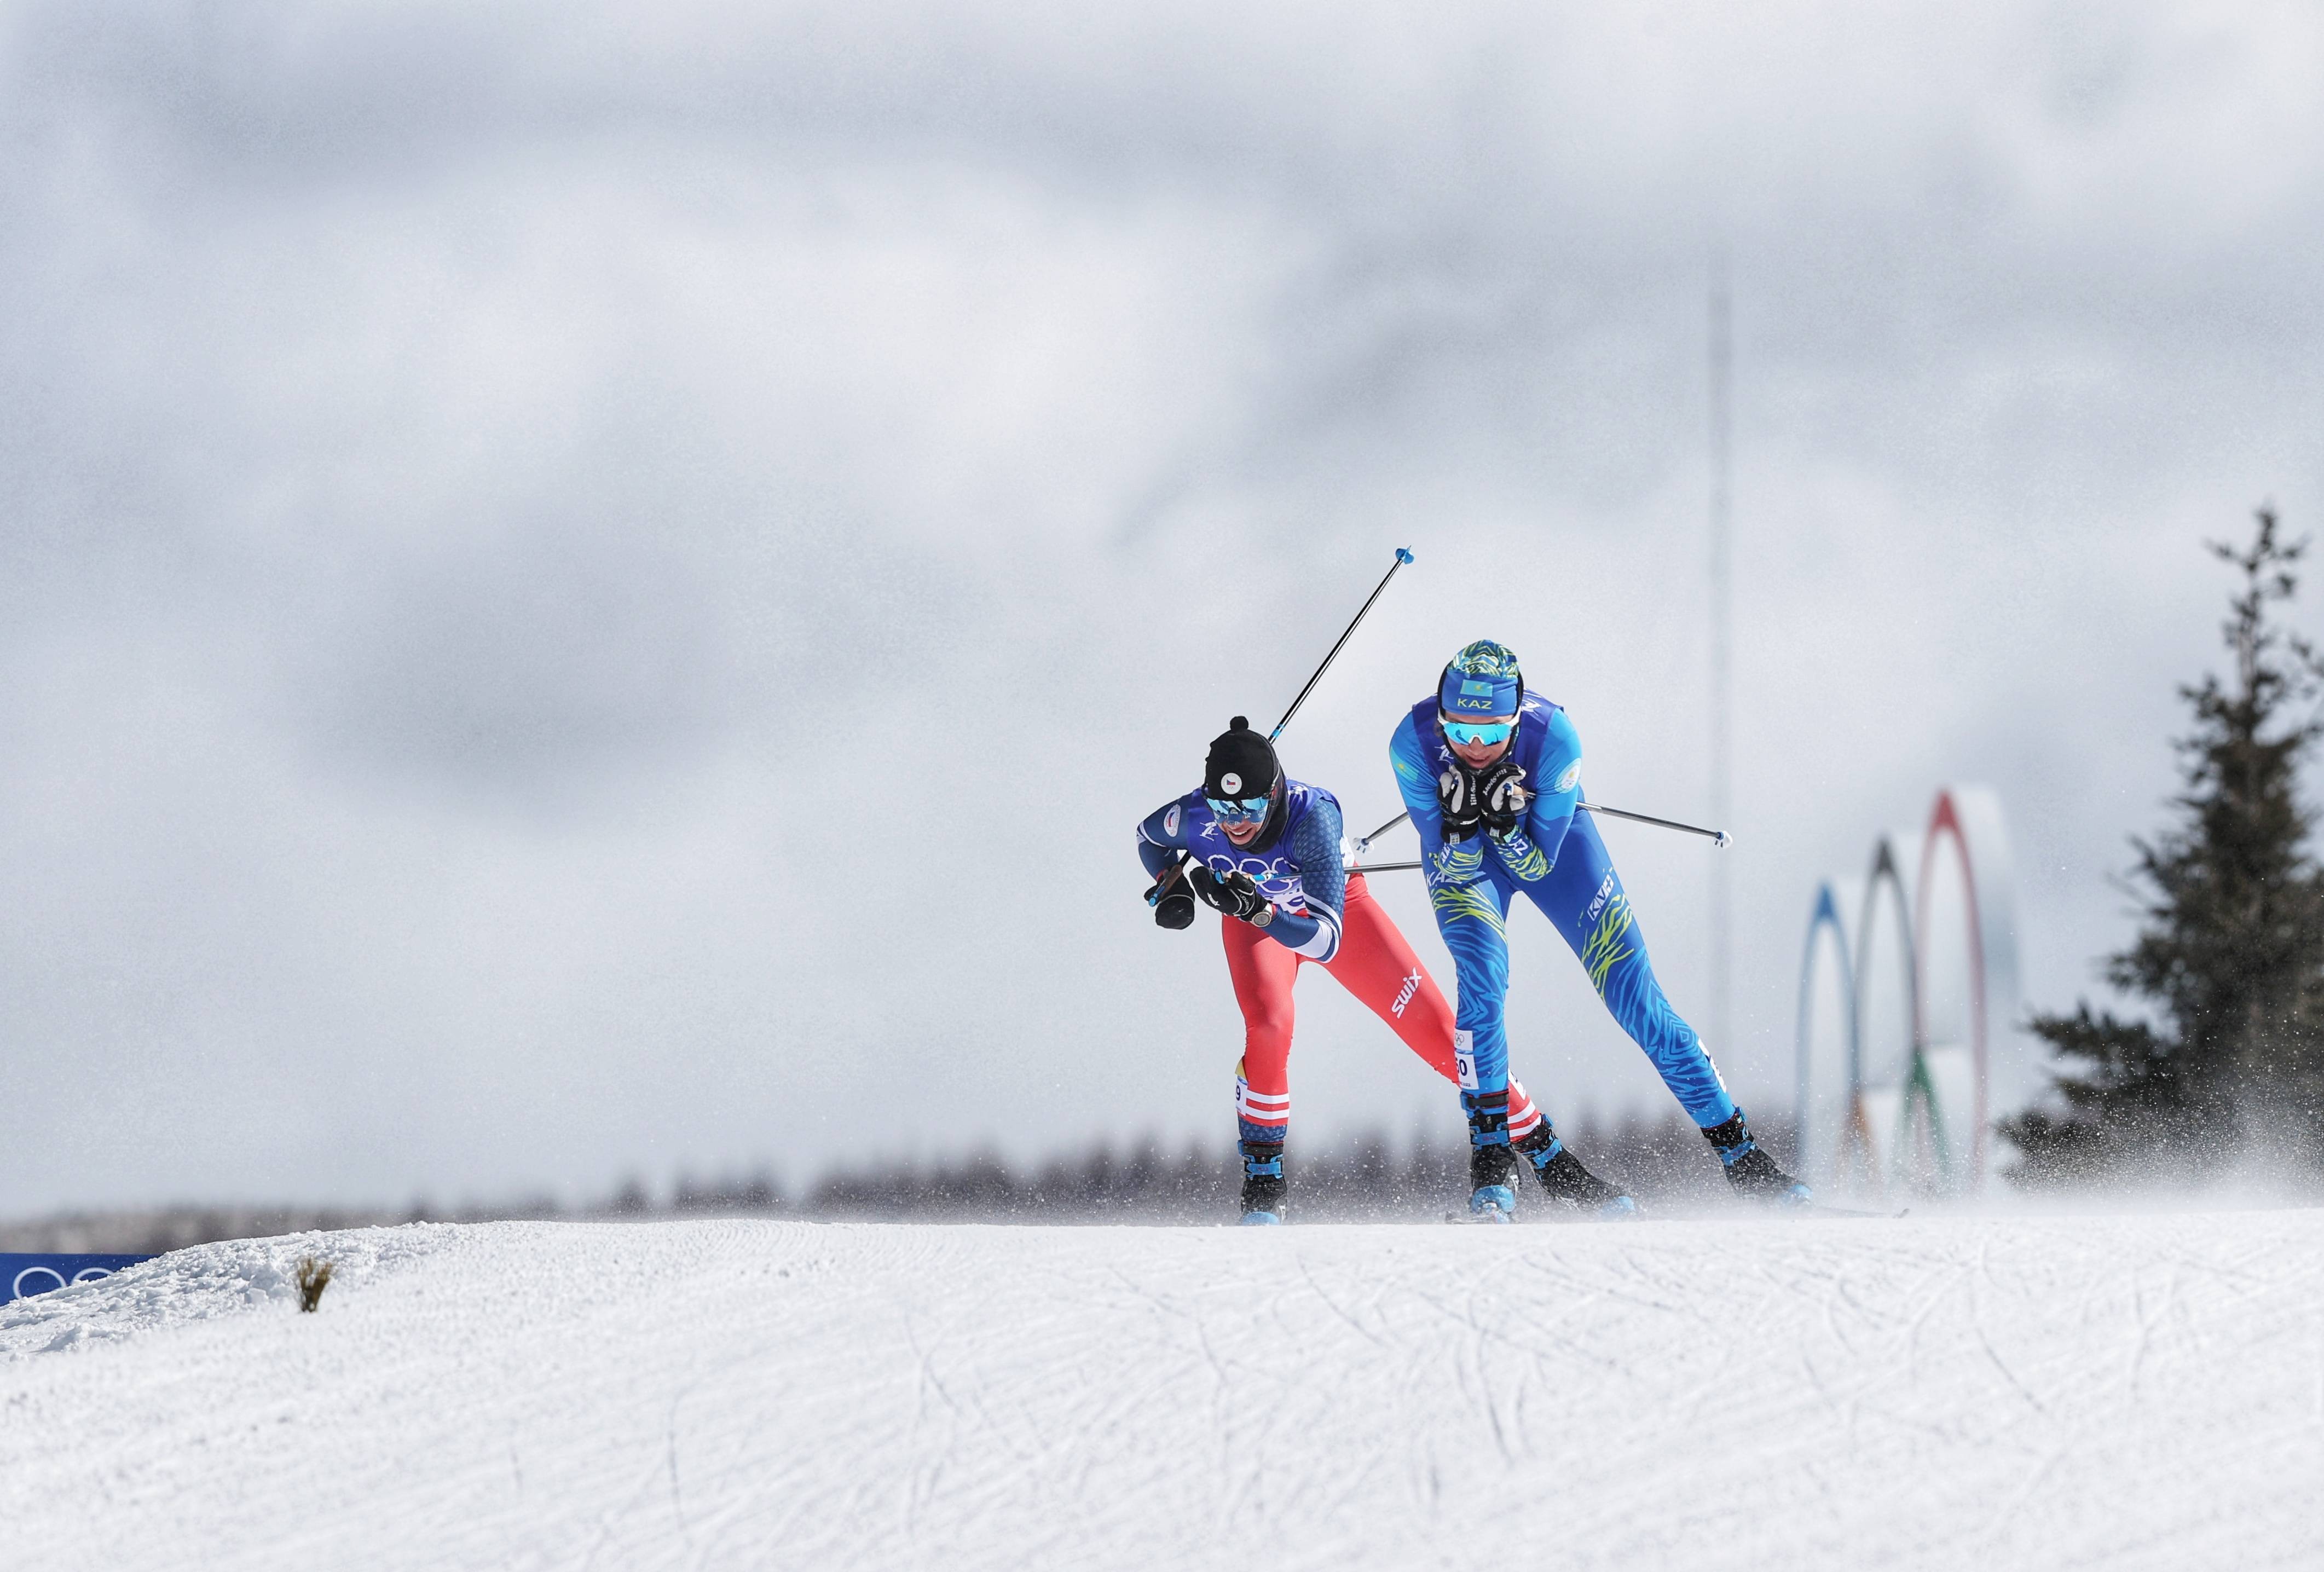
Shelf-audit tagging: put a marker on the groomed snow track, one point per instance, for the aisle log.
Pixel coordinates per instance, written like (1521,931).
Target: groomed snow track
(2118,1391)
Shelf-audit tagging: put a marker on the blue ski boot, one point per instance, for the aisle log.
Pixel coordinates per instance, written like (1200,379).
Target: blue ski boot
(1564,1176)
(1751,1171)
(1263,1187)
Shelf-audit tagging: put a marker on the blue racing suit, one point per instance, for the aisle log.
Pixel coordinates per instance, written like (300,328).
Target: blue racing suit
(1557,859)
(1299,869)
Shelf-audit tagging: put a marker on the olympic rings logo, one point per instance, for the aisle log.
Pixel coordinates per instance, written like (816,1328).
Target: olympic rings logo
(28,1282)
(1918,1118)
(1272,874)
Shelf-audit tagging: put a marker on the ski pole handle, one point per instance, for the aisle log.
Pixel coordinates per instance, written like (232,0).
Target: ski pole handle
(1170,875)
(1172,905)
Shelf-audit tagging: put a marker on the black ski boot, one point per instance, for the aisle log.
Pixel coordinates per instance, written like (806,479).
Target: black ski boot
(1564,1176)
(1750,1169)
(1263,1189)
(1492,1198)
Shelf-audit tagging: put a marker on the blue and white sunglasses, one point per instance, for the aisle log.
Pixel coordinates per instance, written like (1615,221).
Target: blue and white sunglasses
(1238,809)
(1468,735)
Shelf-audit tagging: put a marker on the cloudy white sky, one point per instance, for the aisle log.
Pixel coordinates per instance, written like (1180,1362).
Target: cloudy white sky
(589,590)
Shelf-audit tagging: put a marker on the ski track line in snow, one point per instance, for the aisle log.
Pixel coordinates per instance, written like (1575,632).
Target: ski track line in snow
(2115,1390)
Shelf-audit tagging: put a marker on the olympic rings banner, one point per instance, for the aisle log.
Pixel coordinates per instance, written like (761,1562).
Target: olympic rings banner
(1910,1041)
(22,1276)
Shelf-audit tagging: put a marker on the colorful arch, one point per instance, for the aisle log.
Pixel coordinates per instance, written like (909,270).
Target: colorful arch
(1945,826)
(1826,916)
(1928,1095)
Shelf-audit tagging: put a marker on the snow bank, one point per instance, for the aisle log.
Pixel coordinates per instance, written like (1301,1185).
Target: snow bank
(2058,1392)
(195,1285)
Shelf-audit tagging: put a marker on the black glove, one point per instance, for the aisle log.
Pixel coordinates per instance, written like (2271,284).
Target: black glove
(1502,798)
(1172,906)
(1233,896)
(1463,804)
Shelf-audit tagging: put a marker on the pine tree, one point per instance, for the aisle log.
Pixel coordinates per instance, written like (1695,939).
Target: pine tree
(2230,954)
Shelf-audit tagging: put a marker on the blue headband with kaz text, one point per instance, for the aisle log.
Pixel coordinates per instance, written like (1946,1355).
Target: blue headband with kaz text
(1460,695)
(1482,680)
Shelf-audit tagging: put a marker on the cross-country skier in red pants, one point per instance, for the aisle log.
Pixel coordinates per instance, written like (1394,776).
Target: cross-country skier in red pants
(1266,852)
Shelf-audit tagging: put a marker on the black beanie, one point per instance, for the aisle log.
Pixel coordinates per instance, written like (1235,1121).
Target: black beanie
(1243,764)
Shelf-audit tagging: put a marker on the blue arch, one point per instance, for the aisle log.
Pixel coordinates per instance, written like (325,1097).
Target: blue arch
(1826,915)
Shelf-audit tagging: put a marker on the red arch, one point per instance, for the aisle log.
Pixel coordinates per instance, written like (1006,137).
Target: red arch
(1945,819)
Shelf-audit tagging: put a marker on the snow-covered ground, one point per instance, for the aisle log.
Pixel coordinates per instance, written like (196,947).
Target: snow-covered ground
(2122,1391)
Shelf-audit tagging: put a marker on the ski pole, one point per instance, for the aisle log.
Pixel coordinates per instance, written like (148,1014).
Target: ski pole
(1402,557)
(1716,837)
(1365,844)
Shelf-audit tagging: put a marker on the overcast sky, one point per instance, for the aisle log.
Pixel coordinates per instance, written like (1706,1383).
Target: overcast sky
(589,590)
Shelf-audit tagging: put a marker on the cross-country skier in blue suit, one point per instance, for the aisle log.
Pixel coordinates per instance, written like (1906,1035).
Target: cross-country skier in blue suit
(1491,775)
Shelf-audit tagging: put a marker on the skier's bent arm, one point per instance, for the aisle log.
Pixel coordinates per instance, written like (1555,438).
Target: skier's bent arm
(1315,847)
(1415,783)
(1558,790)
(1161,837)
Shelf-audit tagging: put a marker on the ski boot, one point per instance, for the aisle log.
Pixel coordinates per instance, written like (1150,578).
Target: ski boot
(1564,1176)
(1492,1165)
(1749,1169)
(1263,1186)
(1491,1198)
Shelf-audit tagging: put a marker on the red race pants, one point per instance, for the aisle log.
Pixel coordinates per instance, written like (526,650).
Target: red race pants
(1376,964)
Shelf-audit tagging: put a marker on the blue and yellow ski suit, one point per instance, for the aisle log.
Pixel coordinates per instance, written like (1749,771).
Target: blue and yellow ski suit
(1557,859)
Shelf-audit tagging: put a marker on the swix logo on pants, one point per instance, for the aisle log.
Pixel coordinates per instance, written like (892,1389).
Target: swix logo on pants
(1404,995)
(1465,1060)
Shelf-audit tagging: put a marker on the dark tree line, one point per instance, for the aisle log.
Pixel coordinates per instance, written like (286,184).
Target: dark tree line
(1367,1176)
(1107,1180)
(2227,1060)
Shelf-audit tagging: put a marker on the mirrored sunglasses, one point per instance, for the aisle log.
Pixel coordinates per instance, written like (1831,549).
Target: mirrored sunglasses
(1464,734)
(1237,810)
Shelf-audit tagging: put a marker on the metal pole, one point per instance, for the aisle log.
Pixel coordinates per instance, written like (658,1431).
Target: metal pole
(1716,837)
(1721,638)
(1402,557)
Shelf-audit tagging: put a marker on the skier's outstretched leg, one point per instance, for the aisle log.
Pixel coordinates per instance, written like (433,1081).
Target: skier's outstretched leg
(1473,918)
(1377,966)
(1263,973)
(1584,897)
